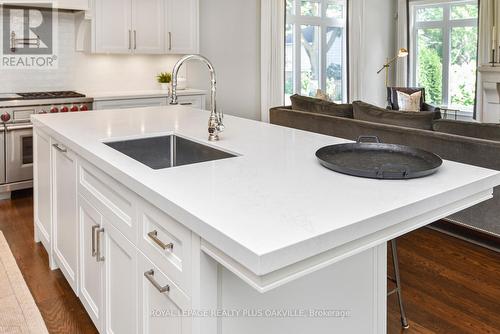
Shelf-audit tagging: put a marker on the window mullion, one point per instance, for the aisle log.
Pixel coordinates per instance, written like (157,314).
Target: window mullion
(446,55)
(322,59)
(297,45)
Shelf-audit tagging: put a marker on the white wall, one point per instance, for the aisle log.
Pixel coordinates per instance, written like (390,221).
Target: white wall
(230,38)
(372,41)
(87,73)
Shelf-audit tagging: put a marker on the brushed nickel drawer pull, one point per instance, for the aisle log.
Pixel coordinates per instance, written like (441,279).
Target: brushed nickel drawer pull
(98,242)
(150,276)
(94,251)
(59,148)
(186,103)
(169,41)
(153,235)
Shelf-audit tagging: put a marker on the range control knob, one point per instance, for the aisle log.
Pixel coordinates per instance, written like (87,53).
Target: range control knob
(73,108)
(64,109)
(54,110)
(5,117)
(84,107)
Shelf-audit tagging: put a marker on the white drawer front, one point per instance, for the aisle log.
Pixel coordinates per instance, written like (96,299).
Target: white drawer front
(193,101)
(167,243)
(109,197)
(161,302)
(130,103)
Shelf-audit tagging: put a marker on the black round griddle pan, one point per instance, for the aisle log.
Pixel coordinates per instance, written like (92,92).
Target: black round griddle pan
(377,160)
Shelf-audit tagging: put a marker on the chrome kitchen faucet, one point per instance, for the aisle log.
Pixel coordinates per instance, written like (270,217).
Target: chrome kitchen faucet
(215,125)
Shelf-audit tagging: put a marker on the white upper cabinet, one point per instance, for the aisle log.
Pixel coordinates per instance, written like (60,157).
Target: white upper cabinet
(113,26)
(182,17)
(146,26)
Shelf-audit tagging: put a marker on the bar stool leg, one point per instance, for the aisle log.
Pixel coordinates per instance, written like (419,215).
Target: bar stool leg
(404,320)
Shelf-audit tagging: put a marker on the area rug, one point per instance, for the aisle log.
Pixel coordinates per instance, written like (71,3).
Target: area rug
(18,311)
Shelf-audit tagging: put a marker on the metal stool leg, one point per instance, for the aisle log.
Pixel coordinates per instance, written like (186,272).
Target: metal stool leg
(404,320)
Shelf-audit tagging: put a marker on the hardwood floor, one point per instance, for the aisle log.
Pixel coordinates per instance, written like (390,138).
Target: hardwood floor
(449,285)
(60,308)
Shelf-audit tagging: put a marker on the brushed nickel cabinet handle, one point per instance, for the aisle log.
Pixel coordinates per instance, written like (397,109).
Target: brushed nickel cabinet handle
(169,41)
(153,235)
(59,148)
(99,257)
(186,104)
(94,251)
(150,276)
(135,39)
(130,39)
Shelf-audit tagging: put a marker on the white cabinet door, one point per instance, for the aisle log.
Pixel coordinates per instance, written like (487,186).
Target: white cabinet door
(182,26)
(193,101)
(148,28)
(42,191)
(65,213)
(91,272)
(113,26)
(120,263)
(161,302)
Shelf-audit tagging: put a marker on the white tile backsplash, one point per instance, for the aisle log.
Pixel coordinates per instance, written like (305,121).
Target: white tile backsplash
(87,72)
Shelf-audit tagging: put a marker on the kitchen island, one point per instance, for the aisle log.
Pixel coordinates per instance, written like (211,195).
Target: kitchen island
(264,241)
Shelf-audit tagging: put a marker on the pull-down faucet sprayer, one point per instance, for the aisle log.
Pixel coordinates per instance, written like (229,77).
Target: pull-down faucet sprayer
(215,125)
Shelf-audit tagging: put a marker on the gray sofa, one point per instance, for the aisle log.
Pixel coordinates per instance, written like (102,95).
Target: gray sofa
(452,140)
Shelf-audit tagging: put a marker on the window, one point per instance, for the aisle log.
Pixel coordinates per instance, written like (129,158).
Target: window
(444,37)
(316,48)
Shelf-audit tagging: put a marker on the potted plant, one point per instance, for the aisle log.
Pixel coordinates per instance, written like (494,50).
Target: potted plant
(164,79)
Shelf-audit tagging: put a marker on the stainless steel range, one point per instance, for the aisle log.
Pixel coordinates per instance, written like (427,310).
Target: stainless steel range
(16,131)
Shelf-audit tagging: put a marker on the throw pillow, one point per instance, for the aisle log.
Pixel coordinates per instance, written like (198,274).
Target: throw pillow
(409,102)
(322,95)
(409,119)
(310,104)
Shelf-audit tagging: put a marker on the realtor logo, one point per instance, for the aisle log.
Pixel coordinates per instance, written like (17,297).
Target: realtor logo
(28,36)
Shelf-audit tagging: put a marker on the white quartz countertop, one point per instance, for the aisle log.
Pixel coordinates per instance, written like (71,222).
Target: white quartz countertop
(270,207)
(139,94)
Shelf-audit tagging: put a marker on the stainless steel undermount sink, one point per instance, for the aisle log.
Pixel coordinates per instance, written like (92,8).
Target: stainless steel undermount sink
(167,151)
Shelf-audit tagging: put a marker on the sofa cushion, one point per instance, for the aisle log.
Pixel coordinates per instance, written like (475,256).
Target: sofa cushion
(310,104)
(487,131)
(409,119)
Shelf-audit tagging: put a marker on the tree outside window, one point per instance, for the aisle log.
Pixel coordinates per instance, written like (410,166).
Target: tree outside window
(315,48)
(444,37)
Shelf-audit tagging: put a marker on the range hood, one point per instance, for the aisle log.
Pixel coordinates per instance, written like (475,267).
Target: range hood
(74,5)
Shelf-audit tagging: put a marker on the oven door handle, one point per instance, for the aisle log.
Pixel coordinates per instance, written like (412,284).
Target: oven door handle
(18,127)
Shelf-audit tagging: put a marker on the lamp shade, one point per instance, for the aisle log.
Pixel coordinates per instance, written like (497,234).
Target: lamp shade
(402,53)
